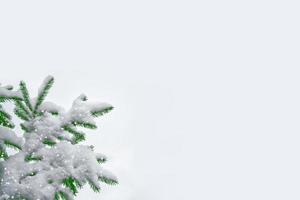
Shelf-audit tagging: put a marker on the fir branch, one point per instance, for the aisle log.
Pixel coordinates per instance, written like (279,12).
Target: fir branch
(20,106)
(78,138)
(8,99)
(5,119)
(108,180)
(6,122)
(49,142)
(73,184)
(7,95)
(25,94)
(71,130)
(4,114)
(95,187)
(78,135)
(36,115)
(21,114)
(84,124)
(101,159)
(15,98)
(48,82)
(31,157)
(54,113)
(25,128)
(12,145)
(61,196)
(102,111)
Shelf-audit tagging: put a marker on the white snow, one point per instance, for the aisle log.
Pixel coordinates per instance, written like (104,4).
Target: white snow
(5,92)
(51,107)
(9,135)
(60,161)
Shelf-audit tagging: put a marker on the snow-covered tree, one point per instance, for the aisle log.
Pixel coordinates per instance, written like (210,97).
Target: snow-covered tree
(50,163)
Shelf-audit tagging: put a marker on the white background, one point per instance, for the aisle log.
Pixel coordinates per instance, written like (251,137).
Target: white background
(206,93)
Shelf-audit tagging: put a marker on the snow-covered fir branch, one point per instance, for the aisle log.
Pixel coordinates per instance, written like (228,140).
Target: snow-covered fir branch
(50,164)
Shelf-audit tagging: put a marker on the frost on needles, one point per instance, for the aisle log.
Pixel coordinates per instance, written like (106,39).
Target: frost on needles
(50,163)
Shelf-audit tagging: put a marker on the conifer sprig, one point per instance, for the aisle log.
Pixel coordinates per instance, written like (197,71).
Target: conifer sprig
(12,144)
(73,184)
(31,157)
(94,185)
(43,92)
(51,144)
(84,124)
(78,136)
(108,180)
(101,159)
(5,119)
(22,110)
(61,196)
(102,111)
(25,94)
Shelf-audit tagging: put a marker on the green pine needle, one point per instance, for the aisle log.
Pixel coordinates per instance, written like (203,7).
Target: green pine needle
(25,94)
(11,98)
(5,119)
(71,130)
(78,135)
(78,138)
(54,113)
(23,109)
(98,113)
(12,145)
(25,128)
(29,158)
(28,111)
(108,180)
(21,114)
(94,187)
(6,122)
(16,98)
(101,160)
(43,93)
(61,196)
(73,184)
(84,124)
(4,114)
(49,142)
